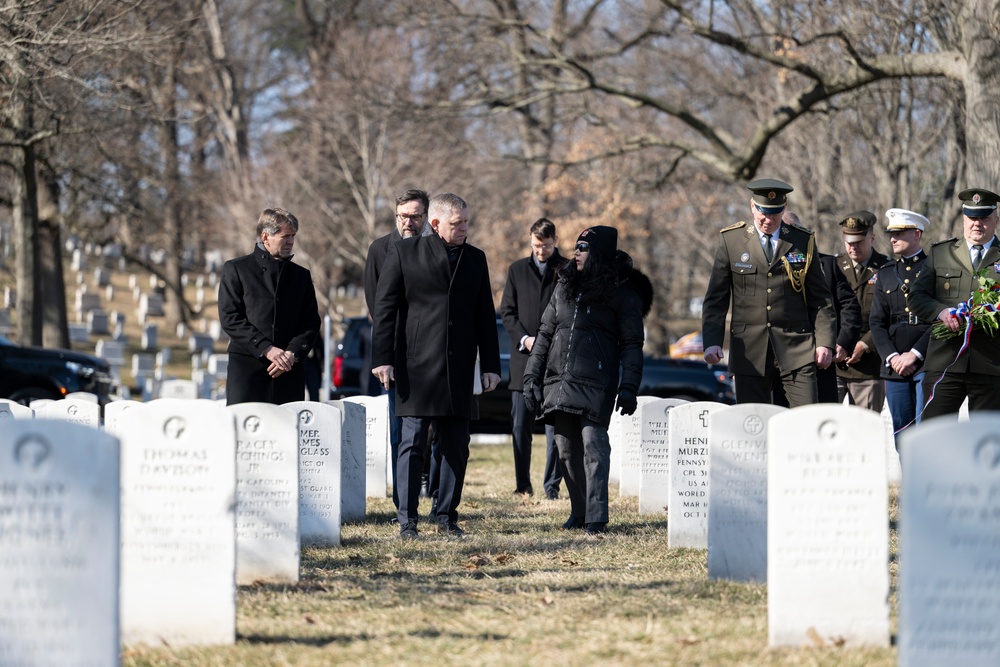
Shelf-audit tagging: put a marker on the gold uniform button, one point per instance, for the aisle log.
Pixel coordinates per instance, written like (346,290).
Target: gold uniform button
(768,325)
(908,268)
(907,309)
(907,281)
(769,307)
(769,275)
(768,290)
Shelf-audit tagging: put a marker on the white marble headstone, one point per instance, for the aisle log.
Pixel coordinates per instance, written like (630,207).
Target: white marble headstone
(59,544)
(615,440)
(14,410)
(319,471)
(376,439)
(72,410)
(827,533)
(689,478)
(631,449)
(267,493)
(113,412)
(178,523)
(949,543)
(654,455)
(352,460)
(186,389)
(737,500)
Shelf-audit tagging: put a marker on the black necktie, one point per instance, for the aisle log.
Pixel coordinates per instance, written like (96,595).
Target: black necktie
(768,250)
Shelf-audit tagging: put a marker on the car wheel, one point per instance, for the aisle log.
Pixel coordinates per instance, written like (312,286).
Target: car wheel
(26,395)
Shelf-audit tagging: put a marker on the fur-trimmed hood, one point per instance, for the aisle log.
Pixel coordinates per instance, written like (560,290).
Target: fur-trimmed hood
(636,279)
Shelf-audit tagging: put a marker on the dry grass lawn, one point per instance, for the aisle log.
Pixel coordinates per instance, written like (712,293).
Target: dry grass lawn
(516,591)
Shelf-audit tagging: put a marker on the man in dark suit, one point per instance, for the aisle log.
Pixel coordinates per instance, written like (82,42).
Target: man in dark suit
(949,278)
(783,323)
(848,311)
(900,337)
(411,218)
(859,376)
(267,307)
(530,282)
(433,313)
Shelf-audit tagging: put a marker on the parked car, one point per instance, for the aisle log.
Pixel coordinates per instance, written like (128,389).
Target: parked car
(28,373)
(662,377)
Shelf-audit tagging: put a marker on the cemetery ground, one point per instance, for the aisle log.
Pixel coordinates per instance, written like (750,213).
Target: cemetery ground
(517,590)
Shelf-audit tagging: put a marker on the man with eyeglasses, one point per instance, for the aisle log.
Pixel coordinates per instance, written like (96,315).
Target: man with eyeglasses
(433,314)
(411,217)
(530,282)
(783,324)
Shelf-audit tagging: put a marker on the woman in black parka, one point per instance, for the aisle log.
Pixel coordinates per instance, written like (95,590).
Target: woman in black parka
(587,351)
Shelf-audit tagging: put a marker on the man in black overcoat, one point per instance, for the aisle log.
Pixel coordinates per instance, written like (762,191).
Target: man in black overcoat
(267,307)
(530,282)
(411,217)
(433,313)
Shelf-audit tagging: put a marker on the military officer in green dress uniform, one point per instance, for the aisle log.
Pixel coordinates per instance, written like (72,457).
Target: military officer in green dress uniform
(948,279)
(783,324)
(859,375)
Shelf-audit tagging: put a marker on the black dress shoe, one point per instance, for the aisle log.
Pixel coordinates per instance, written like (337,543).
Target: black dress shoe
(573,522)
(451,529)
(524,492)
(596,528)
(408,531)
(552,495)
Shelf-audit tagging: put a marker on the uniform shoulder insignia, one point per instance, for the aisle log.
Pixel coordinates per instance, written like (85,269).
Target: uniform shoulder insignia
(951,240)
(798,228)
(738,225)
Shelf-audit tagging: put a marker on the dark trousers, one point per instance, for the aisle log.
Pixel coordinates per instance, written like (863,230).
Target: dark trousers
(395,434)
(799,385)
(954,387)
(585,453)
(522,421)
(905,398)
(432,462)
(826,385)
(454,447)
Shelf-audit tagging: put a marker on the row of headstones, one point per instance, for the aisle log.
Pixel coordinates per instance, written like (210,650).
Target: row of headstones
(799,499)
(107,255)
(210,498)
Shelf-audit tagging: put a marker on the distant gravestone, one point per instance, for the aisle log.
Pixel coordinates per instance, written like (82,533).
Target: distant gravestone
(353,449)
(267,493)
(59,531)
(631,450)
(949,542)
(737,501)
(79,261)
(689,474)
(376,439)
(827,533)
(200,343)
(151,304)
(111,351)
(319,472)
(78,333)
(109,293)
(143,365)
(178,524)
(97,322)
(148,339)
(654,455)
(102,277)
(218,364)
(6,324)
(9,297)
(72,410)
(185,389)
(13,410)
(615,440)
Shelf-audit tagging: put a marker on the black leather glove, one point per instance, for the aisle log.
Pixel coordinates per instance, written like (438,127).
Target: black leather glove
(627,402)
(533,398)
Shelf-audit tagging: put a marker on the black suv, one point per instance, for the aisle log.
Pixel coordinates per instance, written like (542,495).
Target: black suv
(27,373)
(662,377)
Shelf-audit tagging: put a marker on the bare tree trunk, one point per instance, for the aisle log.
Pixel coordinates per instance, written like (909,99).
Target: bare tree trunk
(172,221)
(28,267)
(55,327)
(982,91)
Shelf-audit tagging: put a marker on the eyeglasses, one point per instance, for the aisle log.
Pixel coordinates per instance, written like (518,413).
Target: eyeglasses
(583,246)
(412,217)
